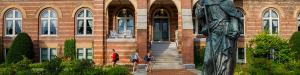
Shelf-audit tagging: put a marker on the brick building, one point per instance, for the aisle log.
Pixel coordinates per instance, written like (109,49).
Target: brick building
(131,25)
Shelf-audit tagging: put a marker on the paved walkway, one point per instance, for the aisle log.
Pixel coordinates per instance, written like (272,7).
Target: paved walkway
(169,72)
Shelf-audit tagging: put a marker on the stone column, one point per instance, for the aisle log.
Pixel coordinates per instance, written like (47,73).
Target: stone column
(187,35)
(142,31)
(141,23)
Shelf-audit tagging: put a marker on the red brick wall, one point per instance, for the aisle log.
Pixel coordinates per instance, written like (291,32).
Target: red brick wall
(66,26)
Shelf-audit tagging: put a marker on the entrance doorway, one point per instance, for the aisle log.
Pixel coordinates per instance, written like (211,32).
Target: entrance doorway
(161,25)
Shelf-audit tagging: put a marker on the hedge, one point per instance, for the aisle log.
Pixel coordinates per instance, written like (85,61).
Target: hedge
(22,45)
(295,43)
(70,49)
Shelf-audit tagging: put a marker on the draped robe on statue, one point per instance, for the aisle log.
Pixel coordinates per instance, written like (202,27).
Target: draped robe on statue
(222,32)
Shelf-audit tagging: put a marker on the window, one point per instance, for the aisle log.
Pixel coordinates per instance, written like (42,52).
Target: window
(5,51)
(13,22)
(124,24)
(198,23)
(241,28)
(46,54)
(85,53)
(298,22)
(271,21)
(241,53)
(48,22)
(84,22)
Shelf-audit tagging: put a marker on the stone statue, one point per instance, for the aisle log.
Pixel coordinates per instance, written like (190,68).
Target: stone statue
(221,28)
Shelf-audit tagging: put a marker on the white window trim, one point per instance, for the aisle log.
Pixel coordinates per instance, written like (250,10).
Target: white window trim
(244,25)
(84,53)
(49,18)
(196,25)
(14,19)
(84,18)
(270,19)
(48,53)
(298,22)
(237,56)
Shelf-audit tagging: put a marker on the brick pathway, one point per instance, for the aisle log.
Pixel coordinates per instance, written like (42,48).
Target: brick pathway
(171,72)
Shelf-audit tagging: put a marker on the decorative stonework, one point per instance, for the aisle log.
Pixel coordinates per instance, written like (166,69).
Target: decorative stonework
(141,19)
(187,20)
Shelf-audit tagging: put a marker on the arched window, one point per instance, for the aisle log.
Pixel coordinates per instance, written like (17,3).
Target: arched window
(84,22)
(13,22)
(125,23)
(48,22)
(298,22)
(271,21)
(198,23)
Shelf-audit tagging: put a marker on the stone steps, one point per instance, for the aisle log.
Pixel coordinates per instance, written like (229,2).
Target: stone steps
(166,55)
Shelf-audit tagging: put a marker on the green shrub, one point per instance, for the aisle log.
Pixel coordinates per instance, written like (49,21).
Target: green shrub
(265,43)
(53,67)
(118,70)
(6,71)
(23,64)
(295,44)
(70,49)
(77,66)
(25,72)
(22,45)
(199,56)
(260,66)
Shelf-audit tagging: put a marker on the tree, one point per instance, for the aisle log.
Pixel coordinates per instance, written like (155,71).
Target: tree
(295,43)
(21,46)
(271,47)
(70,49)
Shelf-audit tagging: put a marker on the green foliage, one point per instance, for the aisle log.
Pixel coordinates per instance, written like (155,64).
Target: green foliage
(198,56)
(118,70)
(70,49)
(265,43)
(261,66)
(23,64)
(58,67)
(260,50)
(295,44)
(53,67)
(76,67)
(22,45)
(6,71)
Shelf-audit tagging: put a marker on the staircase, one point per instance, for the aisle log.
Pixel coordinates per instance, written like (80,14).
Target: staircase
(166,55)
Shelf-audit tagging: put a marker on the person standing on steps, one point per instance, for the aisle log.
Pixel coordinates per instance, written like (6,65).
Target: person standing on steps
(134,59)
(115,57)
(149,58)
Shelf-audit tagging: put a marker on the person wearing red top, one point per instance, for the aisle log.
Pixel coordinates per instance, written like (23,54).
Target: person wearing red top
(115,57)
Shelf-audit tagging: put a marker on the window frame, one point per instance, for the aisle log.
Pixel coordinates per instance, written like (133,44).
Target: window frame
(84,18)
(298,22)
(49,18)
(126,20)
(241,61)
(85,53)
(48,53)
(13,19)
(270,19)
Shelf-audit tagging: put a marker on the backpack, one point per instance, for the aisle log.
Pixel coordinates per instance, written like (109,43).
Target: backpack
(117,56)
(146,58)
(132,57)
